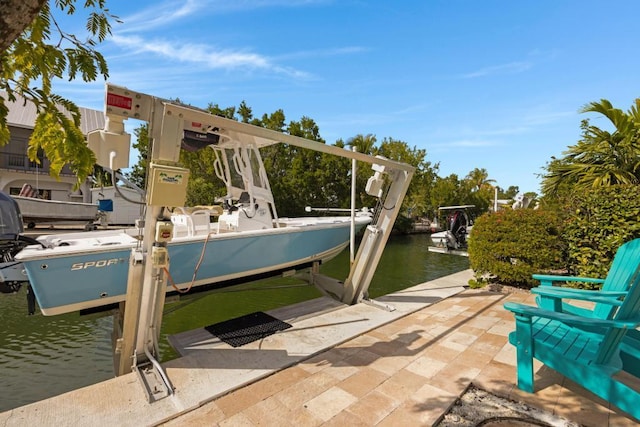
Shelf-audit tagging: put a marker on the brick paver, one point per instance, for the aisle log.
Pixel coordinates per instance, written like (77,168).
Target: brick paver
(408,372)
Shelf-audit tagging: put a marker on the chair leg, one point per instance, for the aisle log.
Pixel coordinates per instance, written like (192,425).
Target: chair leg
(625,398)
(630,355)
(525,353)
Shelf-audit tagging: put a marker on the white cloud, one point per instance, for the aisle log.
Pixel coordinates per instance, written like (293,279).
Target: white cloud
(205,55)
(317,53)
(510,68)
(543,118)
(373,118)
(471,143)
(507,130)
(83,94)
(165,13)
(159,15)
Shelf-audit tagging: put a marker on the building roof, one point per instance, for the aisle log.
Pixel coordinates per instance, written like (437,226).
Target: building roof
(23,114)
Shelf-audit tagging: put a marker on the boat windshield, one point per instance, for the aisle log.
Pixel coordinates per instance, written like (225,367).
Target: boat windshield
(235,170)
(10,218)
(245,172)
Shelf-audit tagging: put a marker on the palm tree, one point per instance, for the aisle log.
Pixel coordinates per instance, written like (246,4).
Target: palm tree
(600,158)
(479,179)
(363,143)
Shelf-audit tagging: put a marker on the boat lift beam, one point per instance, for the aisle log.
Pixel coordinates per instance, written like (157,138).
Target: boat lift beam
(147,283)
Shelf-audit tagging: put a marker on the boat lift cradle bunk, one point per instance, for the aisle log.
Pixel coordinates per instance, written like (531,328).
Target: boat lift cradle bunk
(141,314)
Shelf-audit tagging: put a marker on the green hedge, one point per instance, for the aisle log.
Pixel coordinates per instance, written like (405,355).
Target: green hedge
(511,245)
(597,223)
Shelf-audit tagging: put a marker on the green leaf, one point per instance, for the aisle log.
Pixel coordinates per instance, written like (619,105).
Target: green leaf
(42,54)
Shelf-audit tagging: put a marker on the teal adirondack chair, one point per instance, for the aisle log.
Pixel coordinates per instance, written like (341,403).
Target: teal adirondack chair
(587,350)
(607,299)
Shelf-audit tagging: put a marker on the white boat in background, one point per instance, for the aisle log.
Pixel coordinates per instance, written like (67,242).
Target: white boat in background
(458,225)
(36,211)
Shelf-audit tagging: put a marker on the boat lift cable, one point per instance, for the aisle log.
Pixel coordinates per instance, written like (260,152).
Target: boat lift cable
(114,177)
(140,229)
(173,284)
(377,210)
(384,197)
(195,271)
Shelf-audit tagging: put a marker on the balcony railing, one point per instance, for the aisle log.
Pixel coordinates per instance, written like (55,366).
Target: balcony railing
(21,162)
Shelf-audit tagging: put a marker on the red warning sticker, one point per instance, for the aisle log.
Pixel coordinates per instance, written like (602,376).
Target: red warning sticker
(119,101)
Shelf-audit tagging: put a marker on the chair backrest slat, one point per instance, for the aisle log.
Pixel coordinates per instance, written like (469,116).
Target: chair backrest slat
(625,262)
(628,311)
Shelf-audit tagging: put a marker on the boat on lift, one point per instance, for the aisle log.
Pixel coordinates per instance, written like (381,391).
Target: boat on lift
(241,238)
(458,225)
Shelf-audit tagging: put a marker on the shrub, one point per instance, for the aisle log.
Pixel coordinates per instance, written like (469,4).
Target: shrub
(403,225)
(476,283)
(598,223)
(511,245)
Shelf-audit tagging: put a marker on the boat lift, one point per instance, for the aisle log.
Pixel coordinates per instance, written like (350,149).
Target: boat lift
(136,341)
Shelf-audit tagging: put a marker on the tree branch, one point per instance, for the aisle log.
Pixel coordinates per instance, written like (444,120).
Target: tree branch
(15,16)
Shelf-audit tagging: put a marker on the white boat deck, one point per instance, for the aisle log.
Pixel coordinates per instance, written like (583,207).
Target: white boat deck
(209,368)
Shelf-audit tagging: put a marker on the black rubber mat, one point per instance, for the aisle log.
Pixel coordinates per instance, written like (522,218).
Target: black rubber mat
(245,329)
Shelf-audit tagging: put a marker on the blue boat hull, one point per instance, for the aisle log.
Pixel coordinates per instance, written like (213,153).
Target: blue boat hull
(79,281)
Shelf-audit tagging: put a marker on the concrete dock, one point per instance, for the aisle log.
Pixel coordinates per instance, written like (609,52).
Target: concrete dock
(336,365)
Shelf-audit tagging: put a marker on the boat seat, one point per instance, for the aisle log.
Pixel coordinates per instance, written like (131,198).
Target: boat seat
(192,223)
(214,210)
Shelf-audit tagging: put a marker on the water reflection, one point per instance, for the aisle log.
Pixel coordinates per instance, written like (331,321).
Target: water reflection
(45,356)
(42,356)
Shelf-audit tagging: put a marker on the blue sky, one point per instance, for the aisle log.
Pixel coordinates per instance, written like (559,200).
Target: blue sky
(488,84)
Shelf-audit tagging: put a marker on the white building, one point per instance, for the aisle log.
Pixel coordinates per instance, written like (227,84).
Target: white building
(124,212)
(16,169)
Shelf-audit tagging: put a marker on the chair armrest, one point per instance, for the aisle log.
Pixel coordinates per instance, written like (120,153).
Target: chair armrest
(570,319)
(605,297)
(549,280)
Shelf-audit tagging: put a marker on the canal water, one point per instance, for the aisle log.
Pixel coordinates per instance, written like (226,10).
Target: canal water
(43,356)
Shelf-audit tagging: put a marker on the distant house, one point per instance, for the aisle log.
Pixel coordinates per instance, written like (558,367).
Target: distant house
(15,168)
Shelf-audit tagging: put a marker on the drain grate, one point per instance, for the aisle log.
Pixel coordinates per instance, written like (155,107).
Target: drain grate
(245,329)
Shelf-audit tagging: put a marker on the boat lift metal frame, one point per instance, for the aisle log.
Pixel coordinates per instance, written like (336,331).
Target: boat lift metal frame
(141,315)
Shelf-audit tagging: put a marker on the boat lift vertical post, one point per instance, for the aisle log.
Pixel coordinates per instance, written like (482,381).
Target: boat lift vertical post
(352,239)
(146,287)
(166,132)
(376,235)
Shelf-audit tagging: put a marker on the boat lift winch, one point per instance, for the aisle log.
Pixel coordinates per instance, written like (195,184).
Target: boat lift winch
(136,343)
